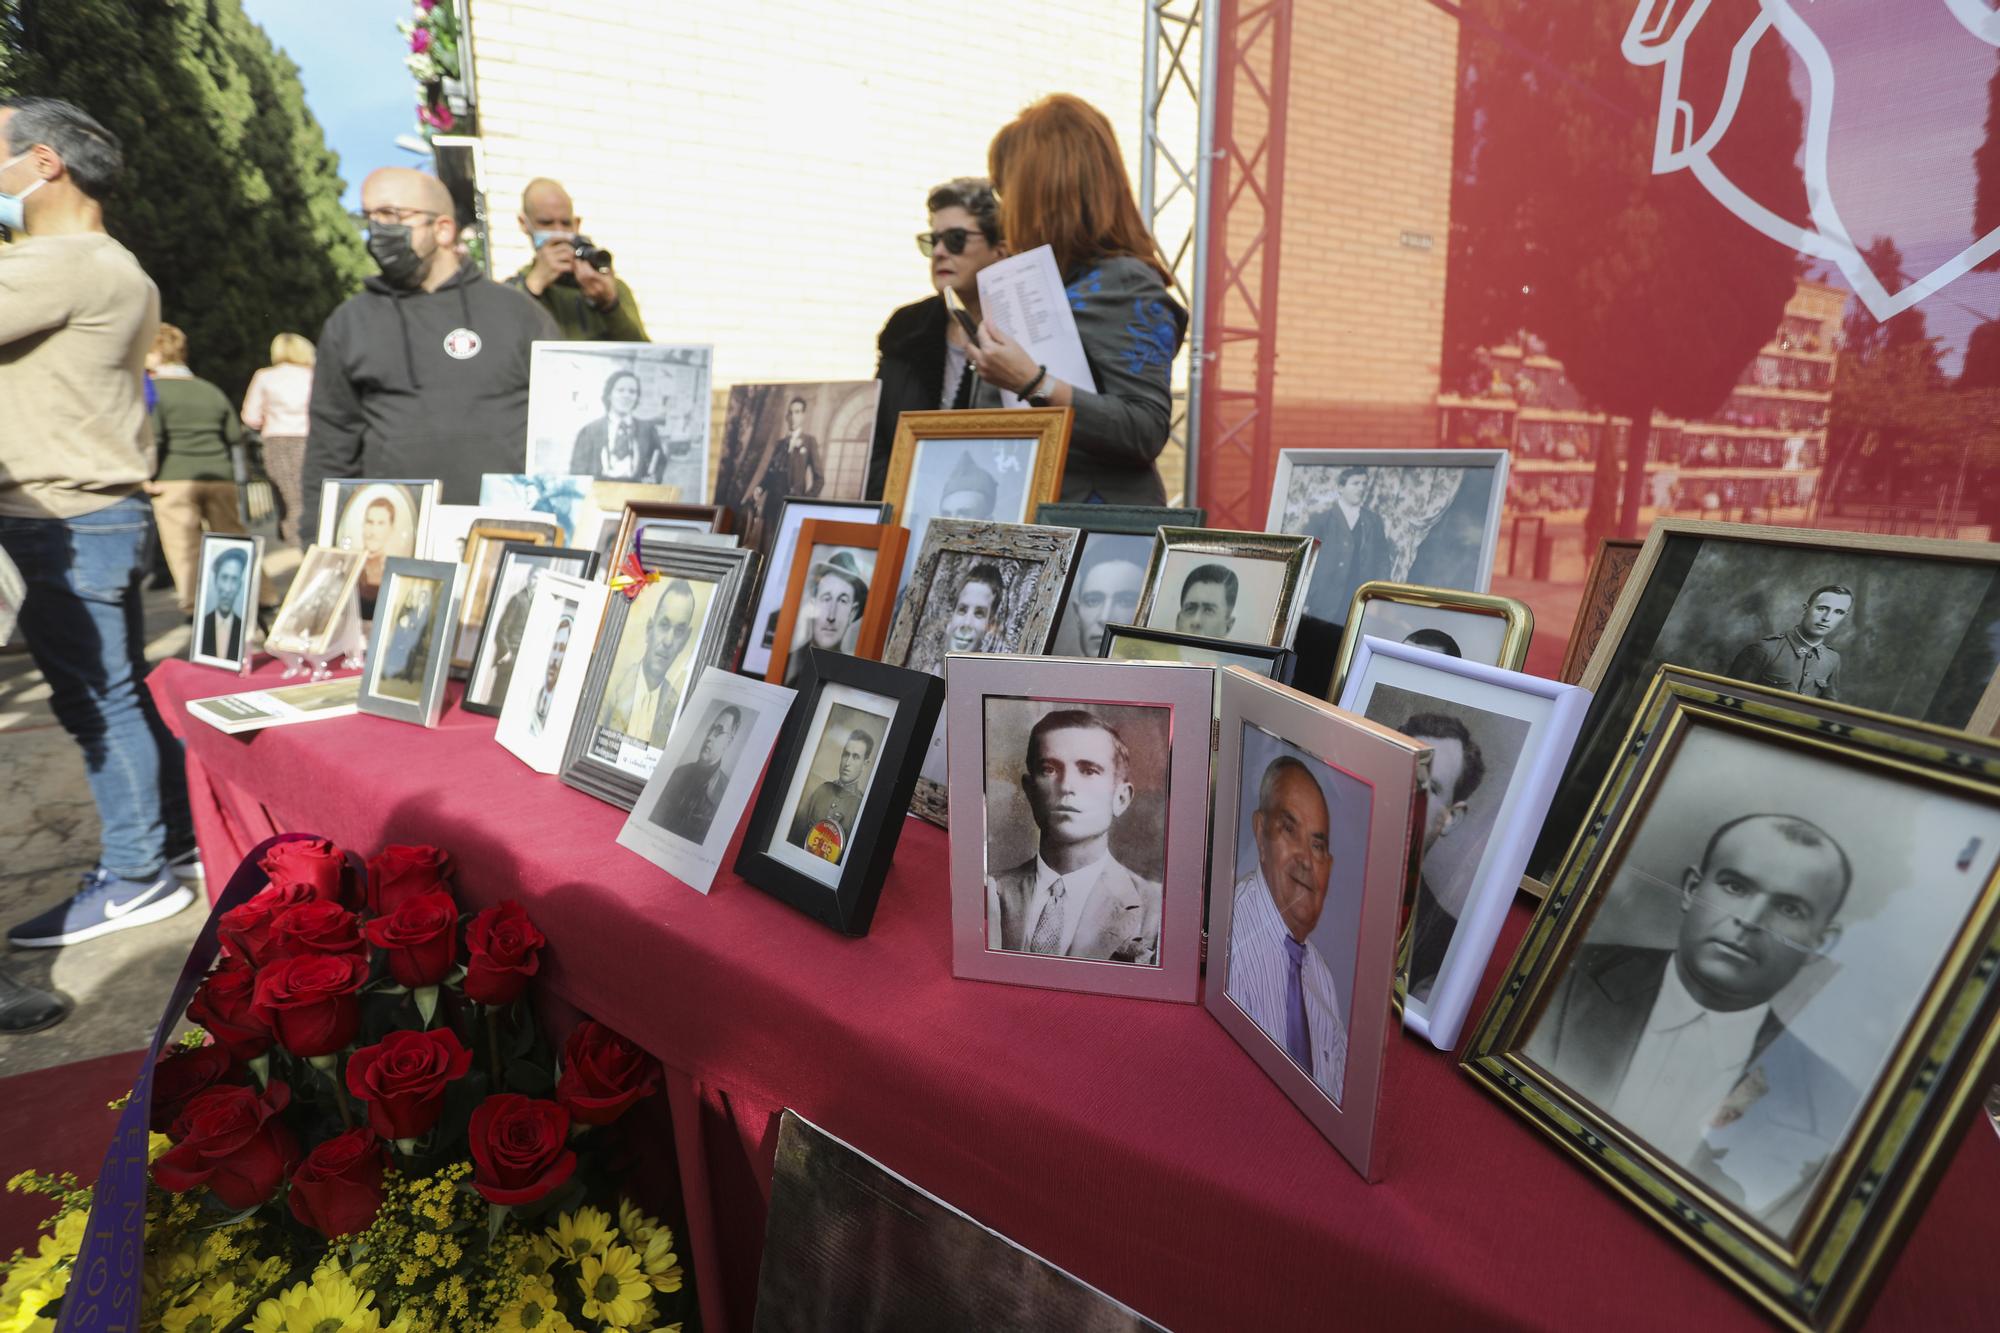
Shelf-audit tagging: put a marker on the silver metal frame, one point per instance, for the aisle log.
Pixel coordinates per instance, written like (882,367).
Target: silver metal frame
(444,621)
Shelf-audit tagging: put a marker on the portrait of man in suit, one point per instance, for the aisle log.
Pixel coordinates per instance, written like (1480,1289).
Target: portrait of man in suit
(1354,548)
(1208,602)
(1276,974)
(1074,898)
(642,698)
(1458,768)
(545,697)
(219,632)
(694,790)
(1681,1045)
(619,446)
(1110,576)
(406,652)
(835,596)
(1797,659)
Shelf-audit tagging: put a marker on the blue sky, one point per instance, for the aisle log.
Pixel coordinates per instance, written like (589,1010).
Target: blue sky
(350,58)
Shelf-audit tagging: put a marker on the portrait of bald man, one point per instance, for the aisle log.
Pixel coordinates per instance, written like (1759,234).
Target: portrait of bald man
(1277,975)
(1681,1045)
(424,371)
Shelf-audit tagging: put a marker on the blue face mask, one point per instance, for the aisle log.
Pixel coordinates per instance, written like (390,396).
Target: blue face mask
(542,238)
(13,207)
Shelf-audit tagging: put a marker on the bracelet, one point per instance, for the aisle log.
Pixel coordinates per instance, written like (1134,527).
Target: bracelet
(1028,390)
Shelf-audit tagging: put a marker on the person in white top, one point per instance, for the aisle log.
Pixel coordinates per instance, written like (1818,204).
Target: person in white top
(278,406)
(1277,976)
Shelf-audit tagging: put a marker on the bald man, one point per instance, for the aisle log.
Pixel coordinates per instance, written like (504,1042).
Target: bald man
(424,371)
(590,304)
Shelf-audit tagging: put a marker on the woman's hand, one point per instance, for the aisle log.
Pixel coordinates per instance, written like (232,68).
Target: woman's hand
(1000,360)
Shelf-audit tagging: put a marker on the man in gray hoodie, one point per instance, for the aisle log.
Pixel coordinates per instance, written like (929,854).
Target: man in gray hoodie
(424,372)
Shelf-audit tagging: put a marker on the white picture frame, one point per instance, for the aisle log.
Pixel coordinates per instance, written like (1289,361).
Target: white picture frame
(534,734)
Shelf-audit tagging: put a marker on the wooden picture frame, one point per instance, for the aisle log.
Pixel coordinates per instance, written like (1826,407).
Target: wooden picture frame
(878,589)
(1430,611)
(1610,566)
(485,542)
(772,582)
(1177,552)
(701,518)
(914,484)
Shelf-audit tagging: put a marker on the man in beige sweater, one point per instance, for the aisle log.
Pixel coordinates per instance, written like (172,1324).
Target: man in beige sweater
(77,315)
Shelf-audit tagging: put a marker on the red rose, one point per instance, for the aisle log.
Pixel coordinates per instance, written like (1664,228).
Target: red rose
(520,1148)
(501,953)
(420,938)
(184,1073)
(603,1074)
(338,1188)
(312,1001)
(223,1006)
(314,864)
(398,872)
(235,1143)
(246,927)
(403,1079)
(315,927)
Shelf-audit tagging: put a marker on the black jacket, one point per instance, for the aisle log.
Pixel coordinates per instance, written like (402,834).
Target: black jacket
(911,368)
(390,401)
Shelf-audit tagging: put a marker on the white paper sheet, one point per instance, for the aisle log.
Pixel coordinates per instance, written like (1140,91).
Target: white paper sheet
(1023,297)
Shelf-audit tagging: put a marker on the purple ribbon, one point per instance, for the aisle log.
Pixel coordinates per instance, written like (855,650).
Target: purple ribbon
(103,1293)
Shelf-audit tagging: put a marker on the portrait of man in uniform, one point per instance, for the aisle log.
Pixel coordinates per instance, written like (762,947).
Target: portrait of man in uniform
(1798,659)
(694,790)
(824,822)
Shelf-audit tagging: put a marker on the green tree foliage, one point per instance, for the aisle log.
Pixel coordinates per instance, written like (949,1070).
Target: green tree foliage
(231,198)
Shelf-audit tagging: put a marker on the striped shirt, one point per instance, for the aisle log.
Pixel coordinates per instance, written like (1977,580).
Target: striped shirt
(1257,970)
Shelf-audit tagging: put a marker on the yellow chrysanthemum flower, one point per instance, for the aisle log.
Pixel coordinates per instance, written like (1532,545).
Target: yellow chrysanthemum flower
(614,1287)
(205,1311)
(535,1312)
(329,1305)
(662,1265)
(27,1314)
(540,1258)
(636,1227)
(585,1231)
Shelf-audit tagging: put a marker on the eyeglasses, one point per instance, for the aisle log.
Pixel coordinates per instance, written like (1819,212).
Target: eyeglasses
(954,239)
(387,216)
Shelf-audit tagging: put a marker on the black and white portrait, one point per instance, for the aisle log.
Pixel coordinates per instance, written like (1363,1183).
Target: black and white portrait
(1076,836)
(223,599)
(513,591)
(621,412)
(552,668)
(834,597)
(1217,596)
(985,480)
(1770,924)
(321,592)
(695,786)
(783,537)
(380,519)
(1110,575)
(1442,629)
(807,440)
(974,604)
(651,665)
(1296,916)
(1390,515)
(410,634)
(843,752)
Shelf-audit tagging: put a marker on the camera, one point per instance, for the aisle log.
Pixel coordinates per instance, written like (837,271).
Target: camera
(597,258)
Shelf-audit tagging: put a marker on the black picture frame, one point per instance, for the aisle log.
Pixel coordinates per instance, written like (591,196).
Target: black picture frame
(850,906)
(1132,520)
(1280,661)
(548,555)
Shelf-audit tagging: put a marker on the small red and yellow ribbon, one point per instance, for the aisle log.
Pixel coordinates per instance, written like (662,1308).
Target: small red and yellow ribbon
(632,577)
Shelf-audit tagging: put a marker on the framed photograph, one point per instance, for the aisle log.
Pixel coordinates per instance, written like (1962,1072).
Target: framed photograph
(225,600)
(1423,516)
(1080,838)
(569,501)
(539,707)
(620,411)
(1899,625)
(1133,643)
(485,542)
(783,535)
(978,588)
(254,710)
(841,593)
(381,519)
(686,817)
(642,516)
(409,652)
(1477,627)
(1243,586)
(978,466)
(506,617)
(808,441)
(1812,889)
(1110,566)
(1307,866)
(831,808)
(1609,569)
(450,524)
(1498,741)
(659,633)
(316,604)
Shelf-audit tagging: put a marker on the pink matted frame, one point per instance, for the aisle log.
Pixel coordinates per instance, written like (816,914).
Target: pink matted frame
(1391,765)
(1188,691)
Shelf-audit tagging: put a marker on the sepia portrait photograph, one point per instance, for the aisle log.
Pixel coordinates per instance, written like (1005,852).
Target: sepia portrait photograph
(1110,575)
(569,500)
(808,440)
(409,649)
(1076,828)
(510,594)
(1295,916)
(316,603)
(380,519)
(635,412)
(840,757)
(1390,514)
(1218,596)
(650,667)
(225,599)
(486,542)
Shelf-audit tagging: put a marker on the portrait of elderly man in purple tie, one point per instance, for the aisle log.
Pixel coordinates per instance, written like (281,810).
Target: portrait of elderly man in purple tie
(1276,976)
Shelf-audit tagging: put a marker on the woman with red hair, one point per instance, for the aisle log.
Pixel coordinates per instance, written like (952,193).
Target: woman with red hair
(1062,183)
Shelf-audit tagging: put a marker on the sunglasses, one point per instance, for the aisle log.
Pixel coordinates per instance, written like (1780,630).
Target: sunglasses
(954,239)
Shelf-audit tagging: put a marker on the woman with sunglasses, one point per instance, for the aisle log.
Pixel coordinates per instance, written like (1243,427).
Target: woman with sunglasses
(1062,183)
(924,361)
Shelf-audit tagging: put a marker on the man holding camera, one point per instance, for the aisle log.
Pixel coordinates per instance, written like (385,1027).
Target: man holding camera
(570,277)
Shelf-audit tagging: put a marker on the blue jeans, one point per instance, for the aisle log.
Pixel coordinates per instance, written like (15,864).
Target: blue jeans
(86,631)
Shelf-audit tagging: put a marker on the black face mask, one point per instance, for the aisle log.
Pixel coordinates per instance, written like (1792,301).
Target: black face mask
(389,246)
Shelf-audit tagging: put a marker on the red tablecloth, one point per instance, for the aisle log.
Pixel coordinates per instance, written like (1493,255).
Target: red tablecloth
(1130,1142)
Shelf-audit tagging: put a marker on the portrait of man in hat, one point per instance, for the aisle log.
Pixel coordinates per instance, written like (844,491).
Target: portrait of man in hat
(836,593)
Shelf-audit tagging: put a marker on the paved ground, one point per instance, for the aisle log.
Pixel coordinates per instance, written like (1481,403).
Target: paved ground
(48,839)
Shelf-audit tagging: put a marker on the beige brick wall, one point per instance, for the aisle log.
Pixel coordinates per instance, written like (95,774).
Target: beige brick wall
(759,167)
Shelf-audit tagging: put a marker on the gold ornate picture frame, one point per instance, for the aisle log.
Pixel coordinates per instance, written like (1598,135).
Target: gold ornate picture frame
(1478,627)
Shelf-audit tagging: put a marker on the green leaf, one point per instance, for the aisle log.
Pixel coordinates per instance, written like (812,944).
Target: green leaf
(427,1003)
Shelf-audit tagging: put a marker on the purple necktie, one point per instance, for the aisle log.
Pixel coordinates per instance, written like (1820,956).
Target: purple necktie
(1298,1044)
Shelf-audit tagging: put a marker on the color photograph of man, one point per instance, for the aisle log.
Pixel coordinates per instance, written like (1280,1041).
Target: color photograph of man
(643,697)
(1354,548)
(694,790)
(1208,602)
(1798,659)
(219,632)
(1681,1045)
(406,651)
(619,446)
(1457,769)
(824,821)
(1074,898)
(1108,584)
(830,618)
(1277,975)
